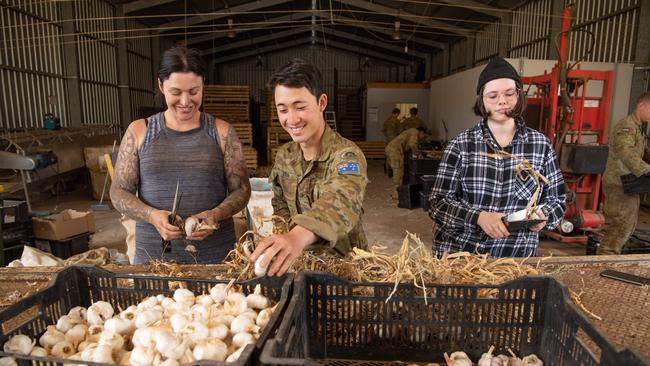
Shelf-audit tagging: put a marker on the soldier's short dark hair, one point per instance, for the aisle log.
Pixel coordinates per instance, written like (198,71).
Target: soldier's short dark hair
(396,111)
(181,59)
(414,111)
(423,129)
(297,73)
(516,112)
(644,98)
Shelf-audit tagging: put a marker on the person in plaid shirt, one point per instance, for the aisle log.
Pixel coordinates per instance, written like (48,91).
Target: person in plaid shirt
(475,188)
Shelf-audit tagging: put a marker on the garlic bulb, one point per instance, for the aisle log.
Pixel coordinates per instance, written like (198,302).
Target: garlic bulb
(243,323)
(259,269)
(86,344)
(486,358)
(119,325)
(188,357)
(65,323)
(141,356)
(213,349)
(225,319)
(169,362)
(167,302)
(148,303)
(143,337)
(242,339)
(170,345)
(218,292)
(99,312)
(256,300)
(190,225)
(235,355)
(458,359)
(51,337)
(264,317)
(78,314)
(204,300)
(196,332)
(76,334)
(7,361)
(147,318)
(111,339)
(63,349)
(39,352)
(184,295)
(20,344)
(531,360)
(93,333)
(219,331)
(235,304)
(176,307)
(178,321)
(500,360)
(200,312)
(125,360)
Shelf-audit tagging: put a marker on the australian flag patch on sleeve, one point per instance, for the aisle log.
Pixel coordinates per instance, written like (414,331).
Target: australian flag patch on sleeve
(348,168)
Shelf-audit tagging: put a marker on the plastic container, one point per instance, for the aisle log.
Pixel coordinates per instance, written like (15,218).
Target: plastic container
(330,321)
(408,195)
(82,285)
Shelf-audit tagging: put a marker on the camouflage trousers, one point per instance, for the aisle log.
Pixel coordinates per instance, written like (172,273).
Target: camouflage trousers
(621,214)
(395,160)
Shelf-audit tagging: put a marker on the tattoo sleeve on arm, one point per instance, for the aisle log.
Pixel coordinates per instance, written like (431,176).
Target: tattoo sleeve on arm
(126,179)
(239,188)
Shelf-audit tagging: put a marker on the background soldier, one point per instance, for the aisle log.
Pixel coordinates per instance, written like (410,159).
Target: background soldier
(413,121)
(626,149)
(397,149)
(392,126)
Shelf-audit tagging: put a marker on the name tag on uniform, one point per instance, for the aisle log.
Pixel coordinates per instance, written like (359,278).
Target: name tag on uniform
(348,168)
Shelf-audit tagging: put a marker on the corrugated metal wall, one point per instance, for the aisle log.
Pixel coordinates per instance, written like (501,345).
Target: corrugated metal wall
(351,75)
(487,42)
(531,25)
(457,55)
(606,30)
(31,64)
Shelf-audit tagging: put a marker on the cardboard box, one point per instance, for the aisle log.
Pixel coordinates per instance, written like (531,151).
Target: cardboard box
(63,225)
(94,157)
(97,183)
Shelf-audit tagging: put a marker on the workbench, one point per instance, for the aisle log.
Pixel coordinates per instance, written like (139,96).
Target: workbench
(619,310)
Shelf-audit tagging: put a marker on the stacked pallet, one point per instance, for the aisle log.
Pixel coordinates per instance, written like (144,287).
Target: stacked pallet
(231,103)
(372,149)
(276,136)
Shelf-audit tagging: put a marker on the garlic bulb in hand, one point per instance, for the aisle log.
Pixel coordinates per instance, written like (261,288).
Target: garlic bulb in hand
(20,344)
(190,225)
(259,269)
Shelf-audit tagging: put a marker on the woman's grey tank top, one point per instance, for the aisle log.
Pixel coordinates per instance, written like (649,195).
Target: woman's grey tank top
(194,158)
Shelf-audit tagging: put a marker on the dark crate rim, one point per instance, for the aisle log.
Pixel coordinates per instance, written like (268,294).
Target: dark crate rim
(283,283)
(609,352)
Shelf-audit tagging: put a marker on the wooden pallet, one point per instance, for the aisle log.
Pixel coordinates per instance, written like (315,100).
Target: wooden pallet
(372,149)
(250,154)
(244,132)
(228,102)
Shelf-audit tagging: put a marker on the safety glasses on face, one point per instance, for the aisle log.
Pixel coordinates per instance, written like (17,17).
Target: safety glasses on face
(510,95)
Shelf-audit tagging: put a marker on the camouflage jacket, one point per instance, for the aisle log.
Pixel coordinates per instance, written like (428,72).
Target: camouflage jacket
(407,140)
(626,149)
(326,197)
(391,128)
(412,122)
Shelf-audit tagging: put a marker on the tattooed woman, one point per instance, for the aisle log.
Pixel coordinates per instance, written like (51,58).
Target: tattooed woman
(181,144)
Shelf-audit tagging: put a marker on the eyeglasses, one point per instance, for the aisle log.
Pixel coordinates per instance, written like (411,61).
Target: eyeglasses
(493,97)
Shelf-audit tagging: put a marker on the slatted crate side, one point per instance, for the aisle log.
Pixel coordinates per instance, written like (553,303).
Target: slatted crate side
(250,155)
(244,132)
(372,149)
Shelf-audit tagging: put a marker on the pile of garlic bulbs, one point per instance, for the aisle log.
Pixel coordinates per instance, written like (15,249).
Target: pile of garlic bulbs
(487,359)
(160,330)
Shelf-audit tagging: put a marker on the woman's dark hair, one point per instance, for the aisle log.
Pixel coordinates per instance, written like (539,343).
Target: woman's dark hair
(297,73)
(181,59)
(516,112)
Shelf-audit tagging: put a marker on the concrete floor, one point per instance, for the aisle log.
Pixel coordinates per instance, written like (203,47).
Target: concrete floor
(385,224)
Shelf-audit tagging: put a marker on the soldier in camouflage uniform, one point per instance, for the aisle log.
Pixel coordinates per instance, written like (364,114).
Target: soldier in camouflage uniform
(397,149)
(319,179)
(626,149)
(392,126)
(413,121)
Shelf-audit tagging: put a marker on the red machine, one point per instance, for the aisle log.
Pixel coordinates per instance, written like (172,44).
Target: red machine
(571,106)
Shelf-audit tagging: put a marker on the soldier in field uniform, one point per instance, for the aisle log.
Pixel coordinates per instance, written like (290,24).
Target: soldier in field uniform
(392,126)
(626,150)
(319,179)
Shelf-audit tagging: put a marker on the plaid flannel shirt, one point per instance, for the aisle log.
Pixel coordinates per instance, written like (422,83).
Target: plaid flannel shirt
(469,182)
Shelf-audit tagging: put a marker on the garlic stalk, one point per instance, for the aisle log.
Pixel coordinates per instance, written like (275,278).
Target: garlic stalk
(20,344)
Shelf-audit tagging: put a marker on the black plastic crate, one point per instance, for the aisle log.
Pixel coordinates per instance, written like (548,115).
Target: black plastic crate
(424,201)
(83,285)
(65,248)
(330,321)
(408,195)
(426,166)
(427,182)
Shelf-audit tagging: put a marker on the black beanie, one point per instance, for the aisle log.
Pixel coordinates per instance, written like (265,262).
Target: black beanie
(497,68)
